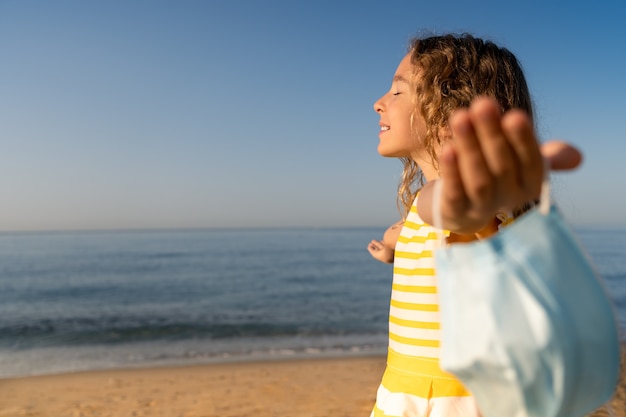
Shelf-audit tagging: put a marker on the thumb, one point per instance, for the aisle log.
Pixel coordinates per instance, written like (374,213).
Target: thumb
(561,155)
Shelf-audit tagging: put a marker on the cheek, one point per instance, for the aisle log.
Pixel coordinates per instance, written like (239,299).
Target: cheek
(418,127)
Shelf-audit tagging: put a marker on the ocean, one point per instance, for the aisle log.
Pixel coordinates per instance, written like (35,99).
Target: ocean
(73,301)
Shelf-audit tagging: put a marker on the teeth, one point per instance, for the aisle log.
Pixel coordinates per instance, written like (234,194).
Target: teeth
(383,128)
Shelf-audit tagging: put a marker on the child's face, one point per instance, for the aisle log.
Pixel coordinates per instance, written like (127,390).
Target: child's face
(398,138)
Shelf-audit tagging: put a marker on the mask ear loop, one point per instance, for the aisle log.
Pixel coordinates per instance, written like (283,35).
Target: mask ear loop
(544,202)
(437,220)
(544,197)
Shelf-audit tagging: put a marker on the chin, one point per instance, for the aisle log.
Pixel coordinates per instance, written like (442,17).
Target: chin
(388,153)
(382,151)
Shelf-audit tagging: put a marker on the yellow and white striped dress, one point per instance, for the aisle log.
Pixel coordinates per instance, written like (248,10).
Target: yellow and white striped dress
(413,384)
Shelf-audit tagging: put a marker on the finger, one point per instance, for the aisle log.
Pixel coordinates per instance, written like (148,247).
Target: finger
(453,193)
(520,132)
(375,245)
(561,155)
(472,168)
(497,152)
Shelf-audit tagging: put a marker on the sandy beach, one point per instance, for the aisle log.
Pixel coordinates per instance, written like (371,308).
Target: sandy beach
(310,387)
(339,387)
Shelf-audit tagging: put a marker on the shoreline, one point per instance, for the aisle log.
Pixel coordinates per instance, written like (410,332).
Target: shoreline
(57,361)
(214,361)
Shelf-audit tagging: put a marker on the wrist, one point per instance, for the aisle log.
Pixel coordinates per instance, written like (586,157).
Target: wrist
(489,230)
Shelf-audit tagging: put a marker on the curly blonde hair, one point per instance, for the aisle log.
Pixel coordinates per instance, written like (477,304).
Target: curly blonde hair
(449,72)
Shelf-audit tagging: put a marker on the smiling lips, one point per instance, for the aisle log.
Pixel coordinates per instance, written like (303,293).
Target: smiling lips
(384,128)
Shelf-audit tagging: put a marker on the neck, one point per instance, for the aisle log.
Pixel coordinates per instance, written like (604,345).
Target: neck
(427,167)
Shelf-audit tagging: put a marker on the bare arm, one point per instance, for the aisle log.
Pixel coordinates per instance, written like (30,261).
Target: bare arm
(384,250)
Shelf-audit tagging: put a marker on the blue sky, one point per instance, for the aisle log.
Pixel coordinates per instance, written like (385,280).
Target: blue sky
(153,114)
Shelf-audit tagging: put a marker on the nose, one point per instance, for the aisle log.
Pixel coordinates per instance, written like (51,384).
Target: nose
(378,105)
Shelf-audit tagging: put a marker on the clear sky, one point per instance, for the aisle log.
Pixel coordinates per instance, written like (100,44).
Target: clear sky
(154,114)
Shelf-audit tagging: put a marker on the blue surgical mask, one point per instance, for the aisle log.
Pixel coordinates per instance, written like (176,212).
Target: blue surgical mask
(526,323)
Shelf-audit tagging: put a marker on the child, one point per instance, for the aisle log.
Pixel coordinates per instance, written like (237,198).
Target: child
(458,111)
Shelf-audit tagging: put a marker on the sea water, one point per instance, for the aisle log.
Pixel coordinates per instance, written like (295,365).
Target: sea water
(73,301)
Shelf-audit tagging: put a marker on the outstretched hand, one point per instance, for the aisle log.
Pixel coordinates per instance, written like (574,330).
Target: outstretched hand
(493,163)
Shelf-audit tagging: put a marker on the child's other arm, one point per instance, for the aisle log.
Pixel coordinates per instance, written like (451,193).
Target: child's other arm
(384,250)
